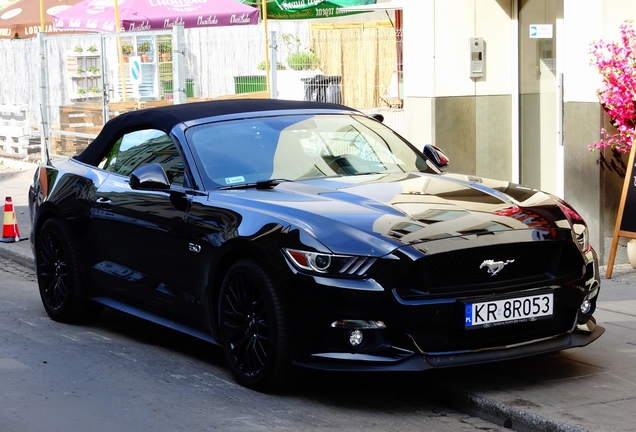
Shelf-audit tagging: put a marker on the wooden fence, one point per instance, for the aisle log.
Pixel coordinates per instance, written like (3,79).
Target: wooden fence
(363,54)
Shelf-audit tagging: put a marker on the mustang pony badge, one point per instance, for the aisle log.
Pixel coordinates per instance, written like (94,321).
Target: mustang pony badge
(495,267)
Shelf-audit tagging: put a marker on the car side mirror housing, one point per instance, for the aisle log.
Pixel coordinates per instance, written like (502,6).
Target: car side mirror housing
(149,177)
(379,117)
(436,156)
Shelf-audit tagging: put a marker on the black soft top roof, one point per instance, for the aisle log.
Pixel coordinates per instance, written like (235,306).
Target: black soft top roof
(166,117)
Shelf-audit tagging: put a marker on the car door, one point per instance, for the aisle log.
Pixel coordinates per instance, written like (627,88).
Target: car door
(141,234)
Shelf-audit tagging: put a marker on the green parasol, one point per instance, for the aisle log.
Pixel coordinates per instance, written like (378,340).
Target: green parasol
(308,9)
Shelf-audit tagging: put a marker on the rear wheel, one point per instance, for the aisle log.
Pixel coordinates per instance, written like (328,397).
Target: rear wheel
(59,279)
(253,328)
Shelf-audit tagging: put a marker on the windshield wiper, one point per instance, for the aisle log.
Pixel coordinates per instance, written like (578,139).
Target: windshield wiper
(369,173)
(261,184)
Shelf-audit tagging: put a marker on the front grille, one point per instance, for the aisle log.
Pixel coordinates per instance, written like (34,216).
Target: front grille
(454,337)
(458,272)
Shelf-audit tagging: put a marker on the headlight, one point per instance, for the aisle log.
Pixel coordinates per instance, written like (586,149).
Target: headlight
(329,264)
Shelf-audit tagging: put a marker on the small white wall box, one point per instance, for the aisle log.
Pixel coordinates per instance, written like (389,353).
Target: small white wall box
(476,57)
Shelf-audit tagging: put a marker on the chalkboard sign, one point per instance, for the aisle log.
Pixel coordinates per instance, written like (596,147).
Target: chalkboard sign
(626,218)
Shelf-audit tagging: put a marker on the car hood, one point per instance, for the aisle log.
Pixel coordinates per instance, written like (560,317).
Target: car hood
(383,212)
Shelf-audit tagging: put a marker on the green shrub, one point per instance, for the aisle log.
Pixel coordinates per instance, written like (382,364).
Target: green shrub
(299,59)
(279,66)
(303,60)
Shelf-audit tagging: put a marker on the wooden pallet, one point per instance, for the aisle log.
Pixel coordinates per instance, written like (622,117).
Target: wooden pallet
(15,130)
(71,145)
(81,115)
(117,108)
(68,145)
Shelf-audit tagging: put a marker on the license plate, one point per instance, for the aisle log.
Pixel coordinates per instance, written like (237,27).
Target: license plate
(508,311)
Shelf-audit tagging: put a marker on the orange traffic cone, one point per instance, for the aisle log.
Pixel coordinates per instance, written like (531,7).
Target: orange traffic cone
(10,232)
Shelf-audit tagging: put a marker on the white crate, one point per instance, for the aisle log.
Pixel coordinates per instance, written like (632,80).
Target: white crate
(15,129)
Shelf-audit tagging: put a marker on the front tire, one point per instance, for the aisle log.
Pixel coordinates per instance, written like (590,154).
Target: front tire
(253,328)
(60,282)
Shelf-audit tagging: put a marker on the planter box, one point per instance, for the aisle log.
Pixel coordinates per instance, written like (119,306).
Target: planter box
(250,83)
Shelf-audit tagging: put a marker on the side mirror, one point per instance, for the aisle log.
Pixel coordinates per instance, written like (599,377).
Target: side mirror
(149,177)
(436,156)
(378,117)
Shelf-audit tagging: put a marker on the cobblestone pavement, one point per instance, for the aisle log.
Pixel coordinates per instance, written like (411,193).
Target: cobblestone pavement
(8,266)
(157,379)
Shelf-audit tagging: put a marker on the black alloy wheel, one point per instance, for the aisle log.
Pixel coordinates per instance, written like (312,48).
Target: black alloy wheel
(59,279)
(253,328)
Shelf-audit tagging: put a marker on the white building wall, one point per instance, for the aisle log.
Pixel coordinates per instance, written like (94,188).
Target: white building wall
(419,48)
(454,24)
(493,23)
(614,13)
(436,47)
(582,24)
(587,21)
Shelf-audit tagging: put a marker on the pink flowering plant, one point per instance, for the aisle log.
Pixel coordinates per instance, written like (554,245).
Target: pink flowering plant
(616,62)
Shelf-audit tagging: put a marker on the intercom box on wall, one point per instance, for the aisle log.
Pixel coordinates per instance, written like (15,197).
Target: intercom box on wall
(476,57)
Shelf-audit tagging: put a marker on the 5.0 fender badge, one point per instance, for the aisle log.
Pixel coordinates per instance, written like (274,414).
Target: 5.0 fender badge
(495,267)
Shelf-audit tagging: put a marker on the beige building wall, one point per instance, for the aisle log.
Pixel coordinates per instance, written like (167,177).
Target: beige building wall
(470,118)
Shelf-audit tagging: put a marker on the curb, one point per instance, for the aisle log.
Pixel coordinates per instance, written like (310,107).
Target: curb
(17,255)
(501,414)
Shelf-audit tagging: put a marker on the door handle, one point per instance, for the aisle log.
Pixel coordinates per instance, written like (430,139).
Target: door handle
(104,202)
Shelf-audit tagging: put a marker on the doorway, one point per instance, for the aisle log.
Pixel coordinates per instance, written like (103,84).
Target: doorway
(540,95)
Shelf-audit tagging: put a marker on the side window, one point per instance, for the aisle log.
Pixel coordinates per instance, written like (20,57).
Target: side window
(139,148)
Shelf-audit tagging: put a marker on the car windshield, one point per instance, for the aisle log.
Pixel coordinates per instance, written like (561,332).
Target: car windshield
(299,147)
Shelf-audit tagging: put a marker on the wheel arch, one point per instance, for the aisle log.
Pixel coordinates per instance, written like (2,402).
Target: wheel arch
(60,276)
(46,212)
(232,252)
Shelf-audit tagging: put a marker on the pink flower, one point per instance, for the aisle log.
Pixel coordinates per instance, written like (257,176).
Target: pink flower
(616,63)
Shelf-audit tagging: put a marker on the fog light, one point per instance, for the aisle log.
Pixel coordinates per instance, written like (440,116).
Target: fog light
(355,337)
(586,306)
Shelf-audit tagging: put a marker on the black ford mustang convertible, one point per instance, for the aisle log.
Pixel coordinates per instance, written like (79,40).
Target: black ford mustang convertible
(307,235)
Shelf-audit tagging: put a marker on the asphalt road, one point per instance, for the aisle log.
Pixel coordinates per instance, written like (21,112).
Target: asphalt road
(122,374)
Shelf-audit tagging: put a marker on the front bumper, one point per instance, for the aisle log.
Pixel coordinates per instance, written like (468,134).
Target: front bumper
(427,334)
(397,360)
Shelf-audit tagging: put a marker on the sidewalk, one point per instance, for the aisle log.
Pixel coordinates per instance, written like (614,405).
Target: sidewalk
(582,389)
(15,179)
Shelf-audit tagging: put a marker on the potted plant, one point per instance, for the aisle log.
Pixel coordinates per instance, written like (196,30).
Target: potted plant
(92,49)
(93,70)
(126,50)
(165,48)
(298,59)
(81,91)
(80,70)
(303,60)
(144,48)
(302,64)
(94,90)
(78,49)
